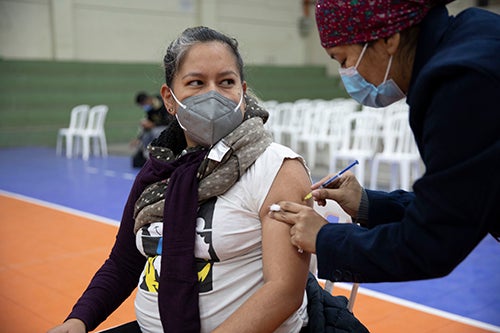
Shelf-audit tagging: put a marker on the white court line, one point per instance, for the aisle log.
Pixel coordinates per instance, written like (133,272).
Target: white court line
(92,170)
(128,176)
(65,209)
(111,173)
(420,307)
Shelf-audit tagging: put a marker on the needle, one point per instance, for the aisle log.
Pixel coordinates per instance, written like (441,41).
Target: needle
(330,180)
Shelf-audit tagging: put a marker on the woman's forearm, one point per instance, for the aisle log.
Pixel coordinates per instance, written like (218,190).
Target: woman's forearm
(265,310)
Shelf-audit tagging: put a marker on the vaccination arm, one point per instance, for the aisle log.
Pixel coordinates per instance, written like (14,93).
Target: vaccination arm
(285,269)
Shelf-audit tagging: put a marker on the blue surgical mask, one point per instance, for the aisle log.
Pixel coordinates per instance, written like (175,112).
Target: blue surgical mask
(366,93)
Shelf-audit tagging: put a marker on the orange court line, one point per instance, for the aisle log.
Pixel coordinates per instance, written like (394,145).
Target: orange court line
(48,256)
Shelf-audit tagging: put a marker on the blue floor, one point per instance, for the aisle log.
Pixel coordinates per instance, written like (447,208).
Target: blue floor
(100,186)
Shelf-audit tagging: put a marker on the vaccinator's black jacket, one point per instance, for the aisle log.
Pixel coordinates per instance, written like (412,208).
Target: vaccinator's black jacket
(455,116)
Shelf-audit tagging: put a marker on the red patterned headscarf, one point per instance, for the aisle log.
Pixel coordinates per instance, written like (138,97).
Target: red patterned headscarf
(342,22)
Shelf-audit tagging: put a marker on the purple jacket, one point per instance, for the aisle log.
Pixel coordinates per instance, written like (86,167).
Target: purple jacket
(118,276)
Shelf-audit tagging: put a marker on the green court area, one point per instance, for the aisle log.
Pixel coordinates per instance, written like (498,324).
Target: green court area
(36,96)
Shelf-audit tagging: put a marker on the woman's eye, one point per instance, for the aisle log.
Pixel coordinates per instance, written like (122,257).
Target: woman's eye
(227,82)
(195,83)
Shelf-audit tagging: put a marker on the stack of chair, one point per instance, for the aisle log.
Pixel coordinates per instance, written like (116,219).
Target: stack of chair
(399,151)
(86,125)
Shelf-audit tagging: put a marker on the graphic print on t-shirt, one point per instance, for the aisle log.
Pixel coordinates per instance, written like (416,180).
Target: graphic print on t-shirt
(151,278)
(151,240)
(149,243)
(204,224)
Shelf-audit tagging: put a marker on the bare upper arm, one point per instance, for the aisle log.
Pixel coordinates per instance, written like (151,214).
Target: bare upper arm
(281,259)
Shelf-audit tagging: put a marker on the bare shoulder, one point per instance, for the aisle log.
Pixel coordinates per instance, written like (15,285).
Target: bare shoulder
(292,183)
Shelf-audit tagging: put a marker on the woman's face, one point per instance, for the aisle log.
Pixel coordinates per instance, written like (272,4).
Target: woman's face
(375,60)
(372,66)
(206,66)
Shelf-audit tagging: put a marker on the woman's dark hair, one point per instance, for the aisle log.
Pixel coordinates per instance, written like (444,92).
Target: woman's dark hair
(408,44)
(177,50)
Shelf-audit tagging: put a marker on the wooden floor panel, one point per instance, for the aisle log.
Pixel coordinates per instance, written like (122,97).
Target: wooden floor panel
(48,256)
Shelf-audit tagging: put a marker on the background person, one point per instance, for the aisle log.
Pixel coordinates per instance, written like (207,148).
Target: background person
(155,121)
(449,70)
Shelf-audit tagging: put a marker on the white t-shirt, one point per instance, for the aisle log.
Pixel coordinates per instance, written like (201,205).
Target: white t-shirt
(228,247)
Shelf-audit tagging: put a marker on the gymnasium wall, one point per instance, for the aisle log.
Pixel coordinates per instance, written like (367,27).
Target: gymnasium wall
(55,54)
(36,97)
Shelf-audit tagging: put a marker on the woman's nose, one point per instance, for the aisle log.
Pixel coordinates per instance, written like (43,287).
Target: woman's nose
(211,86)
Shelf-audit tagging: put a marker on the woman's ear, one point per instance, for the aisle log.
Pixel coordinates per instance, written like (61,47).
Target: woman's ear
(392,43)
(168,100)
(244,85)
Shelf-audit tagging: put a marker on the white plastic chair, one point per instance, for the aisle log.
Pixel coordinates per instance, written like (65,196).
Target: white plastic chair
(269,104)
(390,109)
(360,138)
(94,131)
(77,123)
(399,151)
(279,118)
(293,121)
(321,128)
(386,112)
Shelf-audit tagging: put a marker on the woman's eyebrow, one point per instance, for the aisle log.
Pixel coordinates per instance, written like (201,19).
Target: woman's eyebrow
(229,72)
(192,74)
(198,74)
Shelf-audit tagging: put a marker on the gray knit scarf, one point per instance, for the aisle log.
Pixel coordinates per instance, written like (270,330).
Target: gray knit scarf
(246,143)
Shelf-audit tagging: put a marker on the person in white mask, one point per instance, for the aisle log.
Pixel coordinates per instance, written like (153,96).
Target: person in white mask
(448,69)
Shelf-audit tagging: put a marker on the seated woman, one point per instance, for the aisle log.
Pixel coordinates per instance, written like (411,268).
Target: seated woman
(195,236)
